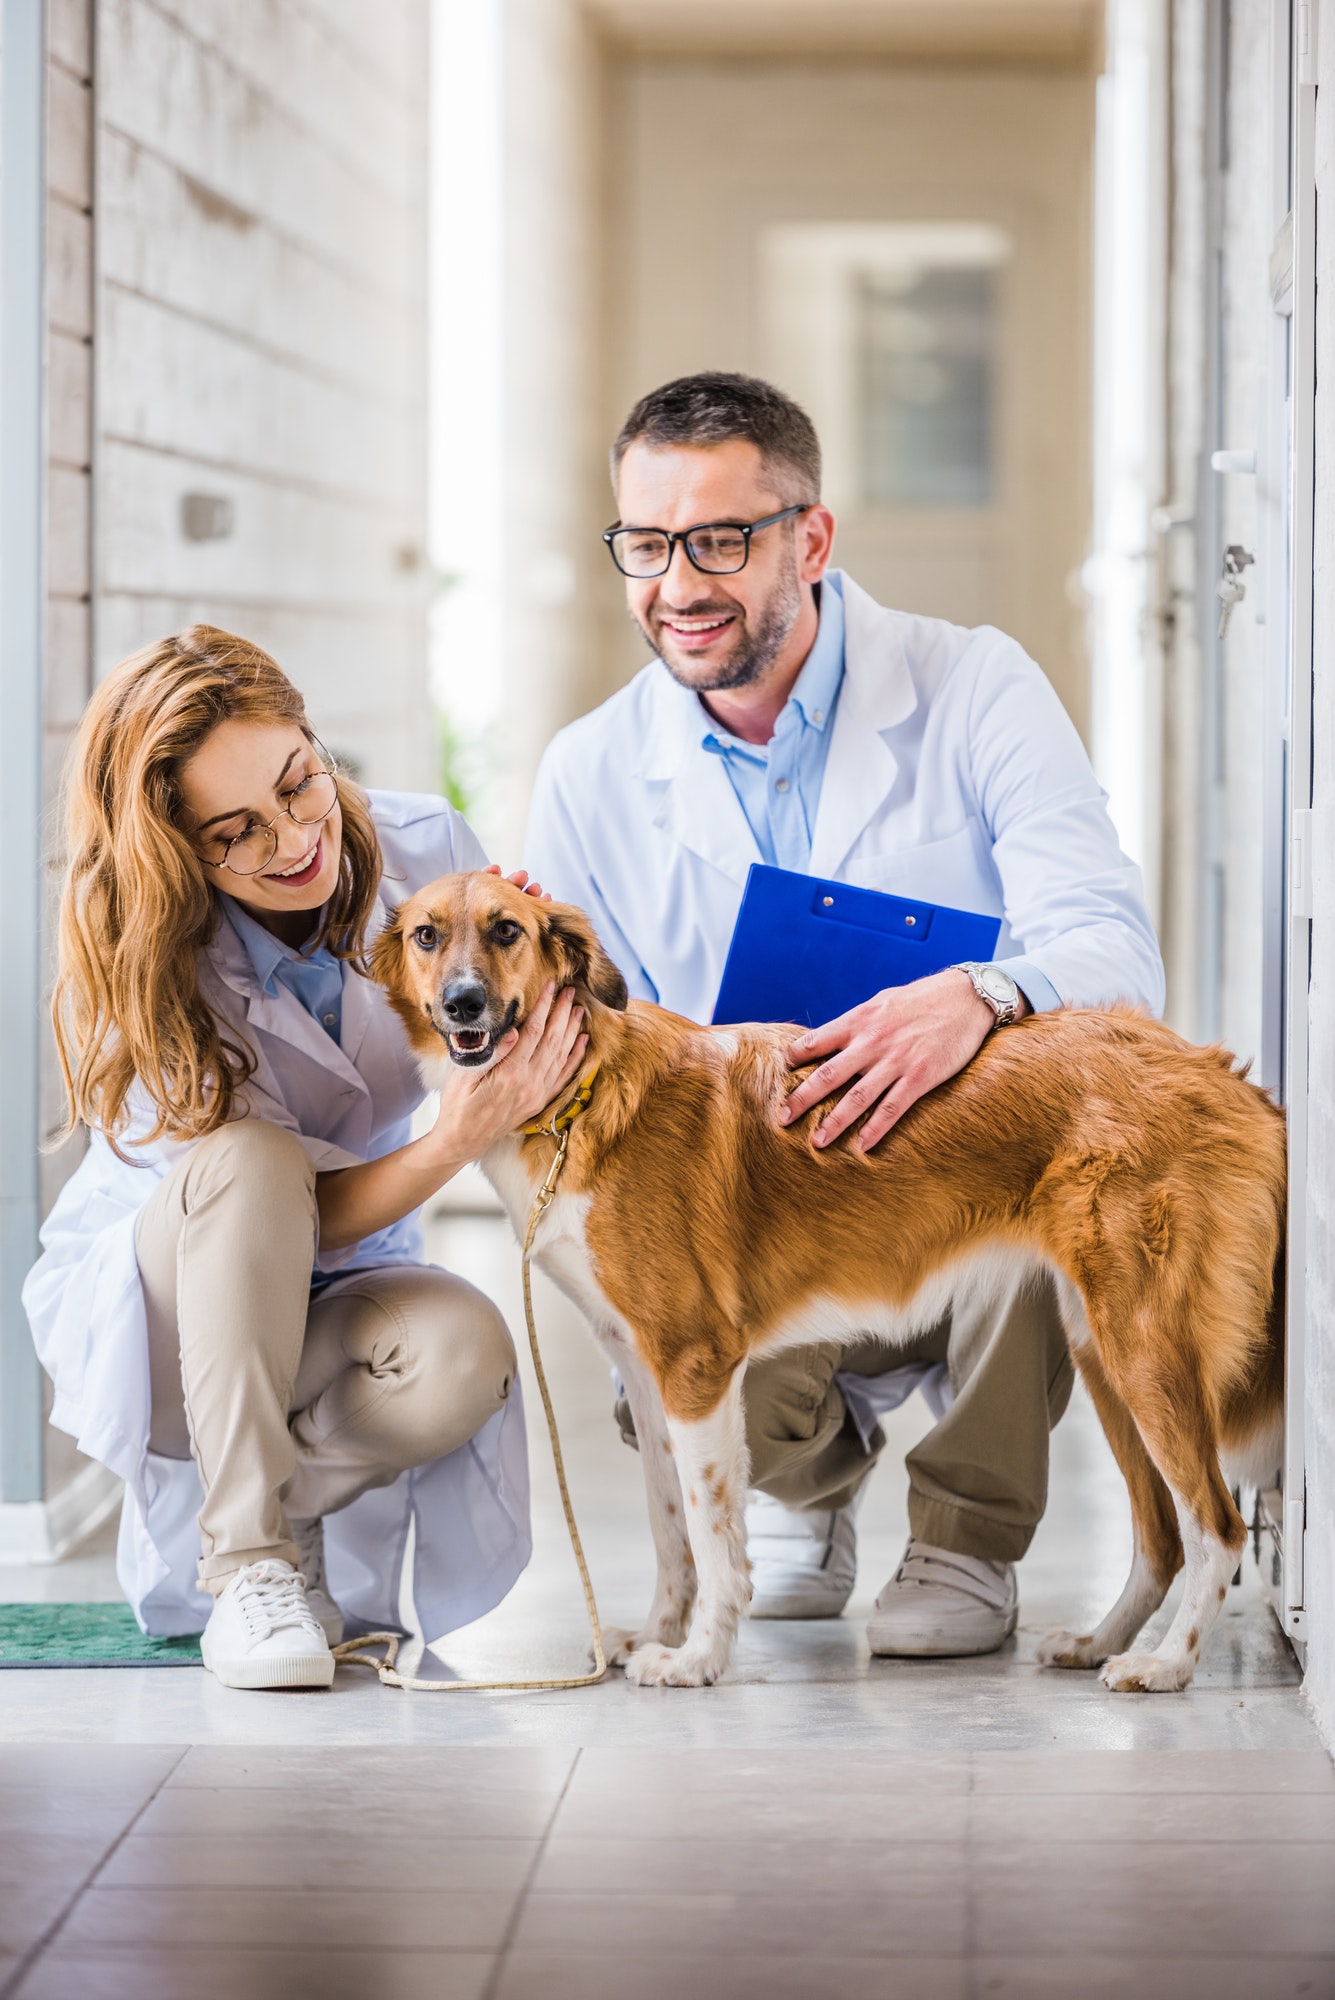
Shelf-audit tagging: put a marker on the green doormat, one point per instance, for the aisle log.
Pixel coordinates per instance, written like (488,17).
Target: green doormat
(85,1635)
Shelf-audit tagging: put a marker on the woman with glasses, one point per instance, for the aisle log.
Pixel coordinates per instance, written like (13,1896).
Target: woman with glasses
(233,1301)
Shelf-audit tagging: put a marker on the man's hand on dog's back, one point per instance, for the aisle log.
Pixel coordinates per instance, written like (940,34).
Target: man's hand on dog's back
(891,1050)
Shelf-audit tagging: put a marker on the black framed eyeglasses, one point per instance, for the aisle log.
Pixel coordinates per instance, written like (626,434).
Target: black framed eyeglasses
(718,548)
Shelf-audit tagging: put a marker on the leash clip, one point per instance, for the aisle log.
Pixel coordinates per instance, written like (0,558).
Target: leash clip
(544,1195)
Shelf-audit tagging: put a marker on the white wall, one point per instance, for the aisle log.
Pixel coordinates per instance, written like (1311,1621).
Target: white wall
(67,652)
(260,226)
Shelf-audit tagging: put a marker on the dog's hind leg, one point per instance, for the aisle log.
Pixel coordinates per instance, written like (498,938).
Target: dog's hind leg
(1157,1376)
(711,1465)
(1158,1548)
(674,1588)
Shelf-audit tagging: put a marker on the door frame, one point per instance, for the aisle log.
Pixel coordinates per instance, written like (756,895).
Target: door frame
(1285,466)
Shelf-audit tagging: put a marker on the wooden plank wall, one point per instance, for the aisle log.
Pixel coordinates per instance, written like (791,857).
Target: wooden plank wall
(260,339)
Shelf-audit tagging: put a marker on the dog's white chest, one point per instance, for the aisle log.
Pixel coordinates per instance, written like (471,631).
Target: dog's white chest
(560,1246)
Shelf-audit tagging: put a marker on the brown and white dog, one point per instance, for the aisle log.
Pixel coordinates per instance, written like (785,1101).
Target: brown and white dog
(694,1231)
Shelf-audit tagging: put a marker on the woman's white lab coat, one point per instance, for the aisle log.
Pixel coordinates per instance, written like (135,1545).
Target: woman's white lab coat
(348,1101)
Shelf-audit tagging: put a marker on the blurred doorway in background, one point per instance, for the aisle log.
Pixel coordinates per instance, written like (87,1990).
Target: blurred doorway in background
(893,336)
(906,247)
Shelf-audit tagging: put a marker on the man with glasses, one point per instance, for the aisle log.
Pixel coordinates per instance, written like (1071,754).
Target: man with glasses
(788,718)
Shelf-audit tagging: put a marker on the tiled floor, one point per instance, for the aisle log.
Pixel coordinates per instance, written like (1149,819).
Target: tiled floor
(821,1826)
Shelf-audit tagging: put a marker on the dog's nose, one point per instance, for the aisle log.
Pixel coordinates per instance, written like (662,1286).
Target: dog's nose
(463,1000)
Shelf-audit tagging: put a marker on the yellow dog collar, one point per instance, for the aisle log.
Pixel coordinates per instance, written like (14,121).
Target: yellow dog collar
(563,1120)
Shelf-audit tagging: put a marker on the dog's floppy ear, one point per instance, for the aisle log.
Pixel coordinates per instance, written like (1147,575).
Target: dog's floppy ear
(386,954)
(577,957)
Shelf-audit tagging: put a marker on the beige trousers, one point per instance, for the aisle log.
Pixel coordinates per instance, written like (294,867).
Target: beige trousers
(293,1405)
(978,1481)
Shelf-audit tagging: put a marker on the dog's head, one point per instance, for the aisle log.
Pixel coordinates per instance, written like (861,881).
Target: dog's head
(465,960)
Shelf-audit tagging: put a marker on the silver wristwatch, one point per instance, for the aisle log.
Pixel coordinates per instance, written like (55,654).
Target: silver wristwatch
(999,990)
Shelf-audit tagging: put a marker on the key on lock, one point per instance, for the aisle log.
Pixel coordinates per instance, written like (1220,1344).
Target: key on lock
(1230,588)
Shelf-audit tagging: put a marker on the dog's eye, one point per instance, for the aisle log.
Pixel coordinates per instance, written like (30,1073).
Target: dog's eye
(427,936)
(506,931)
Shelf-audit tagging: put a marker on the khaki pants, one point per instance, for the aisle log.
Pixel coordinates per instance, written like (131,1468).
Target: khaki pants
(978,1481)
(293,1405)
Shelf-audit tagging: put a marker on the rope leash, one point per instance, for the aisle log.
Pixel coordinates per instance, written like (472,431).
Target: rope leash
(351,1653)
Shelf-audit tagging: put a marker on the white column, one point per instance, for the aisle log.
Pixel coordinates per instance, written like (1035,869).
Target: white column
(1129,300)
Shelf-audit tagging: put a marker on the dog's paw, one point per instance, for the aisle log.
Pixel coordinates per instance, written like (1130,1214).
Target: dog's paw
(619,1643)
(672,1666)
(1067,1649)
(1147,1673)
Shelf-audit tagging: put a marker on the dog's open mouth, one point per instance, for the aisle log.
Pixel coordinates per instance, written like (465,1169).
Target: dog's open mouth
(471,1046)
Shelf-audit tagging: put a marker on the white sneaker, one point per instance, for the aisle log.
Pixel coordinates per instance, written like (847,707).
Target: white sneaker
(939,1605)
(803,1560)
(309,1538)
(261,1633)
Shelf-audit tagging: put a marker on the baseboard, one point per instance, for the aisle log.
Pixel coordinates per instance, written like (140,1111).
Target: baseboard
(42,1531)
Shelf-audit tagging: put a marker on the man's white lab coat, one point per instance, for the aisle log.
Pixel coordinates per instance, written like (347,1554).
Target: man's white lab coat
(348,1101)
(954,776)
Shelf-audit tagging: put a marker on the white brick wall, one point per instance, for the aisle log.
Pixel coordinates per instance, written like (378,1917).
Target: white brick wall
(66,666)
(260,337)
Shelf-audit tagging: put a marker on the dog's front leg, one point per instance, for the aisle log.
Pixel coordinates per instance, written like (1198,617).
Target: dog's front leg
(674,1588)
(711,1466)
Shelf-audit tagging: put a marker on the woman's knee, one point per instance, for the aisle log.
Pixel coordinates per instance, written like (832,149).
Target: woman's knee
(462,1365)
(475,1362)
(265,1159)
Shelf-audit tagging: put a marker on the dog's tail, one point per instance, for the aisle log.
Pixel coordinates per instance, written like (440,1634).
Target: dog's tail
(1251,1428)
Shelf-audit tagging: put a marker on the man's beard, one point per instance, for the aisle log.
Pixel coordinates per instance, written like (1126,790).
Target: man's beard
(757,647)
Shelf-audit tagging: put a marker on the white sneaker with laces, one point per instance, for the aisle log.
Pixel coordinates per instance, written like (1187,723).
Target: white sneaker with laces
(803,1560)
(309,1538)
(940,1606)
(261,1633)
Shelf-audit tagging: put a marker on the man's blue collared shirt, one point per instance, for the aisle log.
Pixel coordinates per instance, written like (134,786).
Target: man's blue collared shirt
(315,978)
(778,783)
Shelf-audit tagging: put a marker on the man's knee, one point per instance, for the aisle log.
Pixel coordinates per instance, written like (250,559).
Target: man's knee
(785,1398)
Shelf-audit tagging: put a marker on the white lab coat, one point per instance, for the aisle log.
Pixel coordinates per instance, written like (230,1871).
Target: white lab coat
(348,1102)
(954,776)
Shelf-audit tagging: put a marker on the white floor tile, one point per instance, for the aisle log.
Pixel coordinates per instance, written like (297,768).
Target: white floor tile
(154,1972)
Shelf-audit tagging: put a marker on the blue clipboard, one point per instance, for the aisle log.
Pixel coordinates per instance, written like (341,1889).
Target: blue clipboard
(805,950)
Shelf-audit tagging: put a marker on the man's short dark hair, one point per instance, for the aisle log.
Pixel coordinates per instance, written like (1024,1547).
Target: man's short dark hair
(715,408)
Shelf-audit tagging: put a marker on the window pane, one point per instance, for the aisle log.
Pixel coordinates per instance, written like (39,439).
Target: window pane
(925,353)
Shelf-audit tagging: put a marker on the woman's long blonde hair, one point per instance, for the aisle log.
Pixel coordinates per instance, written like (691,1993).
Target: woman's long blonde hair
(137,907)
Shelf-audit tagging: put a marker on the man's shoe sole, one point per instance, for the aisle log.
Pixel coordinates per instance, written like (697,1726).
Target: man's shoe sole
(940,1645)
(797,1607)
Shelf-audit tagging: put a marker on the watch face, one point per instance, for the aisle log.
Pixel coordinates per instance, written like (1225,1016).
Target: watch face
(999,984)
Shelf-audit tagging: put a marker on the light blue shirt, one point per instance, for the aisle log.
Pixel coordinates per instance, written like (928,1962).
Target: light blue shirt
(778,783)
(316,978)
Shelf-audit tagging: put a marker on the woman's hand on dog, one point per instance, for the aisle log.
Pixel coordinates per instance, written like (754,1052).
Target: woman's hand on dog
(521,881)
(531,1064)
(898,1045)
